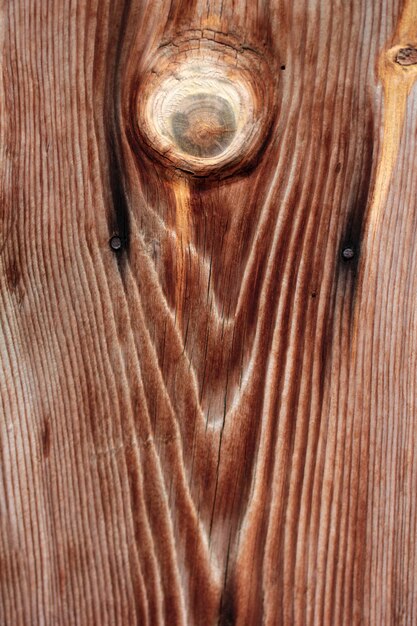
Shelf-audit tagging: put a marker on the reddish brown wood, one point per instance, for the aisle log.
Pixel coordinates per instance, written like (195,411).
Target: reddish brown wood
(211,419)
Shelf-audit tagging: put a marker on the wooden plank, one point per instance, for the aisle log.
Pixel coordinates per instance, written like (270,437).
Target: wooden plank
(207,301)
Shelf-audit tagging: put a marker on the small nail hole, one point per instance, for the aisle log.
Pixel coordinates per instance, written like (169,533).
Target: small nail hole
(283,67)
(115,243)
(348,253)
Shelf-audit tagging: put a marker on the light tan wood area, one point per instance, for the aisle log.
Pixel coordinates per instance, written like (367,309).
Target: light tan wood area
(208,290)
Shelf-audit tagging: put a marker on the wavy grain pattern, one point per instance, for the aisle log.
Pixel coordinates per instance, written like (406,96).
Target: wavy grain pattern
(214,424)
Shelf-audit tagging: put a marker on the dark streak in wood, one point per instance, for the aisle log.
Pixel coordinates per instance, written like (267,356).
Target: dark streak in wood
(13,275)
(46,437)
(359,201)
(120,221)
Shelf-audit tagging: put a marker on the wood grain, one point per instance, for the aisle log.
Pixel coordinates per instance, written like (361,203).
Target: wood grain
(214,423)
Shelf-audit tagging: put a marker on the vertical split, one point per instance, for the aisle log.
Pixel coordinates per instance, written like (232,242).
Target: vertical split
(181,189)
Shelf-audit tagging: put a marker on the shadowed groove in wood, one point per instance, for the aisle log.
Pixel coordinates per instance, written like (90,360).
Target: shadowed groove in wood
(198,439)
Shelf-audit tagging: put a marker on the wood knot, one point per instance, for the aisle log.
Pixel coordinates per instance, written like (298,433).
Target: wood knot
(406,56)
(205,109)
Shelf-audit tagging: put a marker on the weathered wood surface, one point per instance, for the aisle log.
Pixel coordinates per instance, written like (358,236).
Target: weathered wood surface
(215,424)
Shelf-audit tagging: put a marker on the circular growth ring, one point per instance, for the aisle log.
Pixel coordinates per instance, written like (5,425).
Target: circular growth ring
(205,109)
